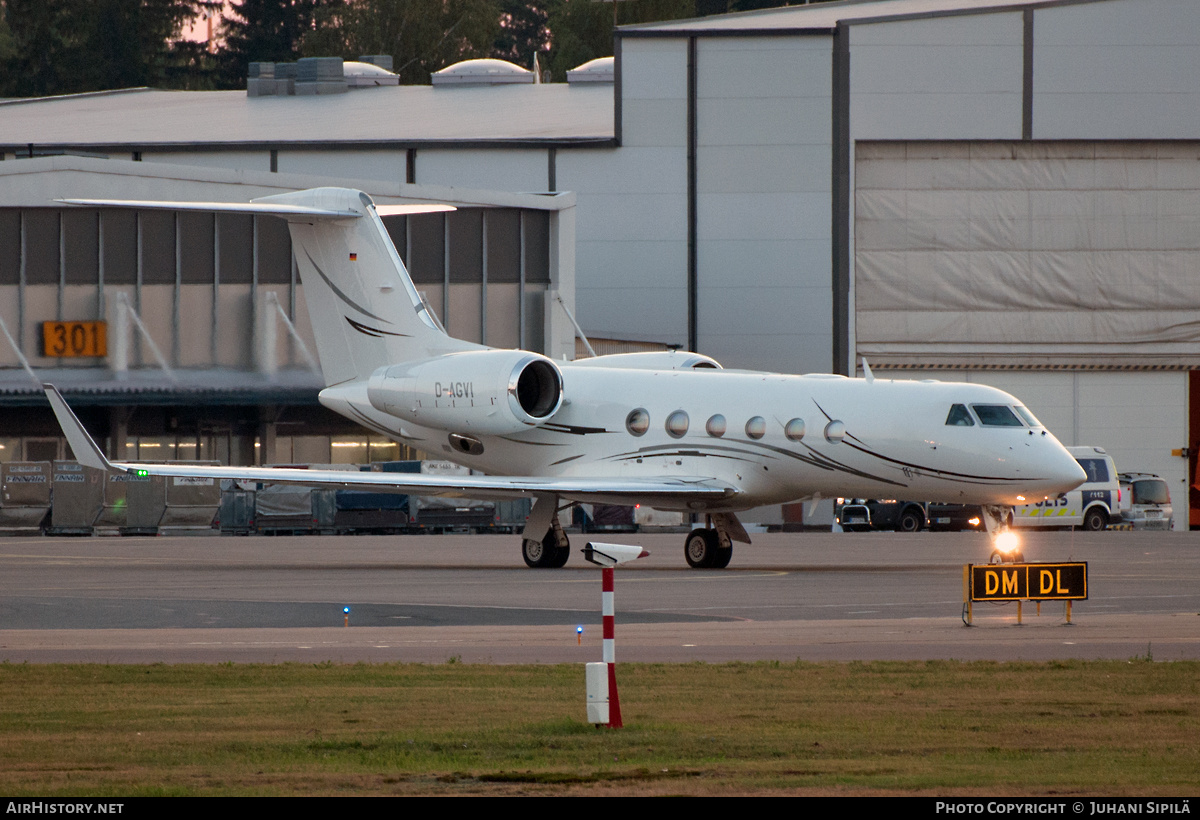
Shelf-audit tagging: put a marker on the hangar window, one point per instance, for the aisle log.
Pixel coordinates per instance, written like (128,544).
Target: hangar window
(996,415)
(158,247)
(959,417)
(10,247)
(756,427)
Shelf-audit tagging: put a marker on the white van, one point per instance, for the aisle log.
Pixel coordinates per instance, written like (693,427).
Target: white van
(1093,505)
(1145,501)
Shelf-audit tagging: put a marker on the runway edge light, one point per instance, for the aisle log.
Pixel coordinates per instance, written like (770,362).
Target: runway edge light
(603,703)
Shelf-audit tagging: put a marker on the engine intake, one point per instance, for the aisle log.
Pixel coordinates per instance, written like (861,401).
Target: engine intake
(538,388)
(491,392)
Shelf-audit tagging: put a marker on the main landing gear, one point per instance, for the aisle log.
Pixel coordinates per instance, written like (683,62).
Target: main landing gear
(550,552)
(711,547)
(544,545)
(703,550)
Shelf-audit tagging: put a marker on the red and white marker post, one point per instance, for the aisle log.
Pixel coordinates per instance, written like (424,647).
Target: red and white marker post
(604,705)
(608,610)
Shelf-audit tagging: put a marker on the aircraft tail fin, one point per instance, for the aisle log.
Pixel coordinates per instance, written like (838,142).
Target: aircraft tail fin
(365,310)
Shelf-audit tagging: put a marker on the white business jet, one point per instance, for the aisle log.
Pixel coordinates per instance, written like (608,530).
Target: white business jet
(672,430)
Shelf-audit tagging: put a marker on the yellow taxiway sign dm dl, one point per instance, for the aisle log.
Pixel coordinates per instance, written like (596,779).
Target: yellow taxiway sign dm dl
(1029,582)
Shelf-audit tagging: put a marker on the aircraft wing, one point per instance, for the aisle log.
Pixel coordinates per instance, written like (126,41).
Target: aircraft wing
(623,491)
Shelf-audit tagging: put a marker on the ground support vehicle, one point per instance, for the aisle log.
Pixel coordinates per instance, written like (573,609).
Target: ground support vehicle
(1091,506)
(955,517)
(866,514)
(1146,502)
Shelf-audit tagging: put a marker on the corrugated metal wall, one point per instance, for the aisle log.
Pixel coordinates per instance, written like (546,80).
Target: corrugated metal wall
(199,282)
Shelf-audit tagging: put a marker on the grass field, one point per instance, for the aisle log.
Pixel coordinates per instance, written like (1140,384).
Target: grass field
(945,728)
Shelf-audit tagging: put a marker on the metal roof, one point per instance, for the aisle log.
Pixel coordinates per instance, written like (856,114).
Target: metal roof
(35,183)
(820,16)
(550,112)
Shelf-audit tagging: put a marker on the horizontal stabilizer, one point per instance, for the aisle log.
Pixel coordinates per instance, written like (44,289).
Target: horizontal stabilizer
(265,208)
(275,209)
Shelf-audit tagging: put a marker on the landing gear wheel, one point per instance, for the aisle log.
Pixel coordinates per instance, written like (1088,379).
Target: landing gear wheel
(545,554)
(534,553)
(559,556)
(909,521)
(1095,520)
(703,550)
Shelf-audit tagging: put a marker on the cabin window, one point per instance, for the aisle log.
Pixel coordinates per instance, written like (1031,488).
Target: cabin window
(996,415)
(794,429)
(959,416)
(835,431)
(716,426)
(677,424)
(638,422)
(756,428)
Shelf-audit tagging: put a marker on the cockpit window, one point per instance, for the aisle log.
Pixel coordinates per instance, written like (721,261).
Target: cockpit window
(1030,418)
(959,416)
(996,415)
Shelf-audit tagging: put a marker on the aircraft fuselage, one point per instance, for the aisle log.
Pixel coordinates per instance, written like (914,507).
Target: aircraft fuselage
(776,438)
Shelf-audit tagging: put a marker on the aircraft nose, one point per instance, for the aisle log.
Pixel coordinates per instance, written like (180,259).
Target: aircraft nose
(1063,472)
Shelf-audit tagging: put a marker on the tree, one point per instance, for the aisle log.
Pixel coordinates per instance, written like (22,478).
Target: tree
(266,31)
(42,41)
(69,46)
(582,30)
(522,33)
(422,36)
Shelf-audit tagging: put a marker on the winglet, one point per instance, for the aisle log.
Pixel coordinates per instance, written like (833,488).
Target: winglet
(85,450)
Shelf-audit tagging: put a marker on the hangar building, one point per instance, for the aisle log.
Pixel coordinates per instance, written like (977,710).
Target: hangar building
(990,190)
(204,347)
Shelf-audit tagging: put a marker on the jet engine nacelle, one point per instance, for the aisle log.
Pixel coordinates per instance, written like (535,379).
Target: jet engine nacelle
(485,392)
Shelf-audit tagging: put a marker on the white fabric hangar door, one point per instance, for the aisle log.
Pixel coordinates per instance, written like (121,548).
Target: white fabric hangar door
(1028,253)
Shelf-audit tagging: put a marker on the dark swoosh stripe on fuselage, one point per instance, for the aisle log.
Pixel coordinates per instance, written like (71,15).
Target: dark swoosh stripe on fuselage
(815,459)
(965,477)
(371,424)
